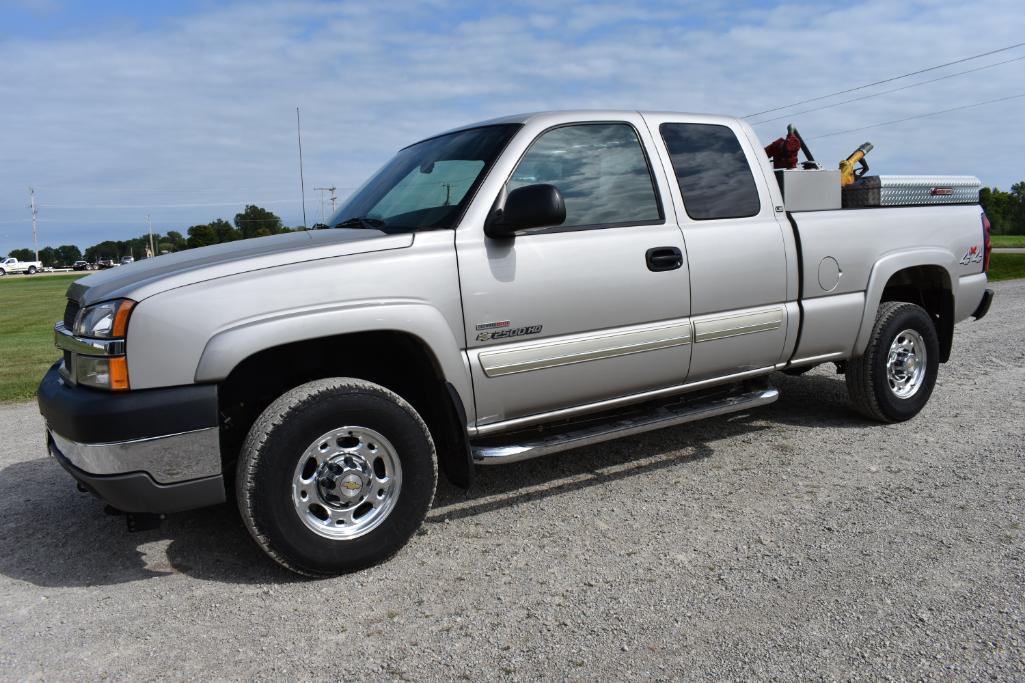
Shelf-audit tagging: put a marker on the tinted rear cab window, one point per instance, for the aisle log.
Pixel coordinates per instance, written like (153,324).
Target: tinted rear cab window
(713,174)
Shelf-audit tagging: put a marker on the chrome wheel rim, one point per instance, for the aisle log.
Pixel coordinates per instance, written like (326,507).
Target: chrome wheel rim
(346,482)
(906,363)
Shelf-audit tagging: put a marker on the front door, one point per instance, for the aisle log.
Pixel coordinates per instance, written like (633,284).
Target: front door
(592,309)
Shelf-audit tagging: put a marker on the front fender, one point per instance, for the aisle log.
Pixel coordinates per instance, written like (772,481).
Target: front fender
(232,344)
(884,269)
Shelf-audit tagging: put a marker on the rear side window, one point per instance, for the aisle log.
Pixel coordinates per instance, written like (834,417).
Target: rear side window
(711,169)
(601,171)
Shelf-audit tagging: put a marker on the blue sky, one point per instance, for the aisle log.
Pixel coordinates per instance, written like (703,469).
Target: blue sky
(186,110)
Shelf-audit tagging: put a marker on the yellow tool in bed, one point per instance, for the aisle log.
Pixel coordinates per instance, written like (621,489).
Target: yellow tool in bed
(854,166)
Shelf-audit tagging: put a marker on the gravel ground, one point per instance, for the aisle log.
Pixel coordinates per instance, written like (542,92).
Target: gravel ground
(797,541)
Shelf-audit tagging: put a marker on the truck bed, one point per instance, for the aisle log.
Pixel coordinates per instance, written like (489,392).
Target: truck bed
(843,255)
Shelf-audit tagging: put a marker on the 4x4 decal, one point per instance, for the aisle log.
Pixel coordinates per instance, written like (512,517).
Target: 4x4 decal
(973,255)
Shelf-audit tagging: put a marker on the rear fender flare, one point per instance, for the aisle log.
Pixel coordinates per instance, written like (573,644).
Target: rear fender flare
(885,268)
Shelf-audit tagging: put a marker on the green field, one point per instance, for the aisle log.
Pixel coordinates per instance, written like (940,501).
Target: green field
(1008,241)
(1006,267)
(29,306)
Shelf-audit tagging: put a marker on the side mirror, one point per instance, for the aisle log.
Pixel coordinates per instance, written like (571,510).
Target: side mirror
(531,206)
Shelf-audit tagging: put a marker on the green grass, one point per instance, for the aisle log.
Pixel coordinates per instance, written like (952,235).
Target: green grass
(29,307)
(1008,240)
(1006,267)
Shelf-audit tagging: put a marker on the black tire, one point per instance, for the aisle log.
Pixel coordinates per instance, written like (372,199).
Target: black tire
(277,441)
(867,381)
(31,270)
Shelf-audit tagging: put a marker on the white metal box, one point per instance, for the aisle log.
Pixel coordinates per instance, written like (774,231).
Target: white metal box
(811,190)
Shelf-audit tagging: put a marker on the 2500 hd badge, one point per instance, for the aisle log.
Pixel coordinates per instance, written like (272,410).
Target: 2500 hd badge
(505,334)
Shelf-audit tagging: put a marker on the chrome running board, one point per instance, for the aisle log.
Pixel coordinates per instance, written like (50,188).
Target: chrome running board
(535,444)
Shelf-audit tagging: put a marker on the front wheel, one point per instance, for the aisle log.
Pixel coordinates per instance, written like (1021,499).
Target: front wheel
(336,475)
(895,377)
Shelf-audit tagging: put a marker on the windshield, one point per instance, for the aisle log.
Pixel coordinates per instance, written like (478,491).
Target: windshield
(426,186)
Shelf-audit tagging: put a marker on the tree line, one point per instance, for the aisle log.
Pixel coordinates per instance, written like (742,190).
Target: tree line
(254,221)
(1005,210)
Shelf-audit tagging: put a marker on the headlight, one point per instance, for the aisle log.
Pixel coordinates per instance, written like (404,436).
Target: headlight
(108,320)
(96,363)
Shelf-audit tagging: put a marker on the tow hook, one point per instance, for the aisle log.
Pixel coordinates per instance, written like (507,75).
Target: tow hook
(137,521)
(142,521)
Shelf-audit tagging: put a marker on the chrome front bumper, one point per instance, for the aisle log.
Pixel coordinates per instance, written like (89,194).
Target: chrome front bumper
(138,491)
(156,450)
(167,459)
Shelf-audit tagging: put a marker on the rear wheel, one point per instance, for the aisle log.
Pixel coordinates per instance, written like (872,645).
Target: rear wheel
(895,377)
(336,475)
(31,270)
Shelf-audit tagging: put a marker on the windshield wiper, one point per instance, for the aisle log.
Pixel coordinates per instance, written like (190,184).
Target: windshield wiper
(361,222)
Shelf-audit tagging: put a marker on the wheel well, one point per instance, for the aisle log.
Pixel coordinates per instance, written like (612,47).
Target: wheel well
(395,360)
(928,287)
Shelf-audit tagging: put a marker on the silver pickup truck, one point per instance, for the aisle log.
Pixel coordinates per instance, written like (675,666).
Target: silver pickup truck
(505,290)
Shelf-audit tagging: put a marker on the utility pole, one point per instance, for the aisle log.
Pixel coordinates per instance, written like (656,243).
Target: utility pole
(32,202)
(152,249)
(322,190)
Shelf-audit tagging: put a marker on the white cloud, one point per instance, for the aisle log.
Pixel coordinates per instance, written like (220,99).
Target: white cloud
(202,109)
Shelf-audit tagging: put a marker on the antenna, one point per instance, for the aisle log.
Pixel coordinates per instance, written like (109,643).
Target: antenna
(302,185)
(152,248)
(32,202)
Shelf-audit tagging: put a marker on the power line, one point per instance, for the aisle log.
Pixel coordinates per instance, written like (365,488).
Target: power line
(76,221)
(885,80)
(918,116)
(161,206)
(887,92)
(172,190)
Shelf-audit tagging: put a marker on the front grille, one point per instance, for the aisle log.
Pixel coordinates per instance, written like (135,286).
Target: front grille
(68,371)
(70,313)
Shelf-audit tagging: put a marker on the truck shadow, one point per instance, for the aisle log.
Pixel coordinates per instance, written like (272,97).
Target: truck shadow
(53,536)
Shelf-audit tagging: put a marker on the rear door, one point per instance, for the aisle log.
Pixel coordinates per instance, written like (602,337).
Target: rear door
(736,248)
(577,313)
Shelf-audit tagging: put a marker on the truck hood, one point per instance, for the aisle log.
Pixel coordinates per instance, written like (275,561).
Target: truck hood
(151,276)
